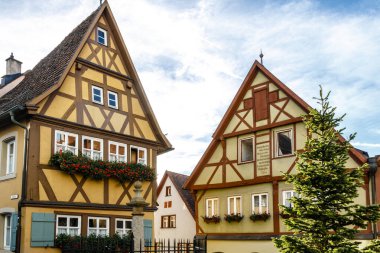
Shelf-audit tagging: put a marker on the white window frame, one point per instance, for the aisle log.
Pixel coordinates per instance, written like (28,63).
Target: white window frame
(57,227)
(292,194)
(7,228)
(105,36)
(240,154)
(93,95)
(260,195)
(9,170)
(235,206)
(168,191)
(165,223)
(138,151)
(277,142)
(118,144)
(116,99)
(65,145)
(97,225)
(92,139)
(214,202)
(175,221)
(124,230)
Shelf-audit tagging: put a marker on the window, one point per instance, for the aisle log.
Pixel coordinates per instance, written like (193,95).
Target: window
(98,226)
(168,191)
(123,226)
(97,95)
(167,204)
(66,141)
(212,207)
(10,157)
(286,196)
(92,147)
(68,225)
(138,155)
(260,203)
(234,205)
(117,152)
(246,150)
(168,221)
(7,231)
(101,36)
(112,99)
(284,143)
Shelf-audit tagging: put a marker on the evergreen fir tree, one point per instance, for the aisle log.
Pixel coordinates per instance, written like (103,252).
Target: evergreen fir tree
(324,217)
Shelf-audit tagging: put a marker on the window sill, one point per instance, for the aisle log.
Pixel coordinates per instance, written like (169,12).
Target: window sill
(283,156)
(241,163)
(7,177)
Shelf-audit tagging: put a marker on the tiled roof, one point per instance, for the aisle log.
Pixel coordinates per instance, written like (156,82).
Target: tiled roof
(49,70)
(178,181)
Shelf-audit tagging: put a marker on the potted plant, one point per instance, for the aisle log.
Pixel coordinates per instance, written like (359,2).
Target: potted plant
(259,216)
(211,219)
(233,217)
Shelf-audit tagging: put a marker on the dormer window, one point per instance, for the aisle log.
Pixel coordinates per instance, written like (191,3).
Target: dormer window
(97,95)
(101,36)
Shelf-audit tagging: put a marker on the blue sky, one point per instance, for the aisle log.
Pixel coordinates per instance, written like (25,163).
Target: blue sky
(192,56)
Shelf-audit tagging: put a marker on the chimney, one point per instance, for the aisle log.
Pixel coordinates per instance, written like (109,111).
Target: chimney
(13,66)
(13,70)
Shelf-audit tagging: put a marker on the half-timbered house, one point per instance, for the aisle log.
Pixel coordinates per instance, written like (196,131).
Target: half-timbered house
(85,97)
(238,182)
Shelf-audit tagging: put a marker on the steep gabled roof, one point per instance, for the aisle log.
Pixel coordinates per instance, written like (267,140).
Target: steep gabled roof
(256,67)
(178,180)
(49,70)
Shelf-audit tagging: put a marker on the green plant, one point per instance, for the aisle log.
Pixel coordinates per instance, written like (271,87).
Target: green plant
(259,216)
(94,242)
(98,169)
(233,217)
(212,219)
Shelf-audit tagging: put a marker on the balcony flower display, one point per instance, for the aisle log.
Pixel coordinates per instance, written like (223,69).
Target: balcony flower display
(233,217)
(211,219)
(259,216)
(98,169)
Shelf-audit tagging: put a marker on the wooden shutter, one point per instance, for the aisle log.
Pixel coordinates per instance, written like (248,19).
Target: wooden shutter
(14,219)
(147,231)
(42,229)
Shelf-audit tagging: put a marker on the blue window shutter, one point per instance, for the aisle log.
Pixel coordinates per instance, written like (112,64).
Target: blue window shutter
(42,229)
(148,230)
(14,219)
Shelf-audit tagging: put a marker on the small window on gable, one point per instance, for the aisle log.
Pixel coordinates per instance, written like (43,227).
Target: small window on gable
(246,150)
(101,36)
(168,191)
(138,155)
(284,143)
(97,95)
(112,99)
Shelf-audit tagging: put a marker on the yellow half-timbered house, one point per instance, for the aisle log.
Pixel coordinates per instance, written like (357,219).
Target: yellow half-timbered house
(241,172)
(86,97)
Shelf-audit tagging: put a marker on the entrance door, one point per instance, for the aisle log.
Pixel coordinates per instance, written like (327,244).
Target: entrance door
(7,231)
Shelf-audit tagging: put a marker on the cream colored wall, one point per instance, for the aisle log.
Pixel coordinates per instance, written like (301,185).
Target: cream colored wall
(27,224)
(11,185)
(240,246)
(185,223)
(245,225)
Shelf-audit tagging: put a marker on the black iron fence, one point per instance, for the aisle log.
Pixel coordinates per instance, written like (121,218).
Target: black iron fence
(106,245)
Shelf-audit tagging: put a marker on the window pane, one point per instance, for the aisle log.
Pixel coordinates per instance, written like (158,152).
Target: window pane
(256,201)
(111,96)
(121,150)
(92,231)
(73,231)
(284,143)
(73,222)
(119,224)
(231,201)
(102,223)
(71,141)
(238,201)
(264,200)
(62,231)
(62,221)
(92,223)
(142,154)
(87,144)
(113,158)
(209,208)
(113,148)
(246,150)
(96,92)
(128,224)
(216,207)
(60,138)
(11,148)
(97,145)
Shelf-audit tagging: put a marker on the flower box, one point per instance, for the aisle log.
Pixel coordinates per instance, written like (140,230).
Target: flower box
(259,216)
(98,169)
(233,217)
(213,219)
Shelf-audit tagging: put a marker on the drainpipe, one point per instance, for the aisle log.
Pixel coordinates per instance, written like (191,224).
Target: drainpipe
(23,186)
(372,172)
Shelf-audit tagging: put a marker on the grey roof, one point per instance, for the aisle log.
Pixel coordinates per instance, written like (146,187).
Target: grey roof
(49,70)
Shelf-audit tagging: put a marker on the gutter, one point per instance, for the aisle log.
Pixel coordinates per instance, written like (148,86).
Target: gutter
(23,186)
(372,172)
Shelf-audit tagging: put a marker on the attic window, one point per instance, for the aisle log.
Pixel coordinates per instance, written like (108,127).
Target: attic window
(97,95)
(101,36)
